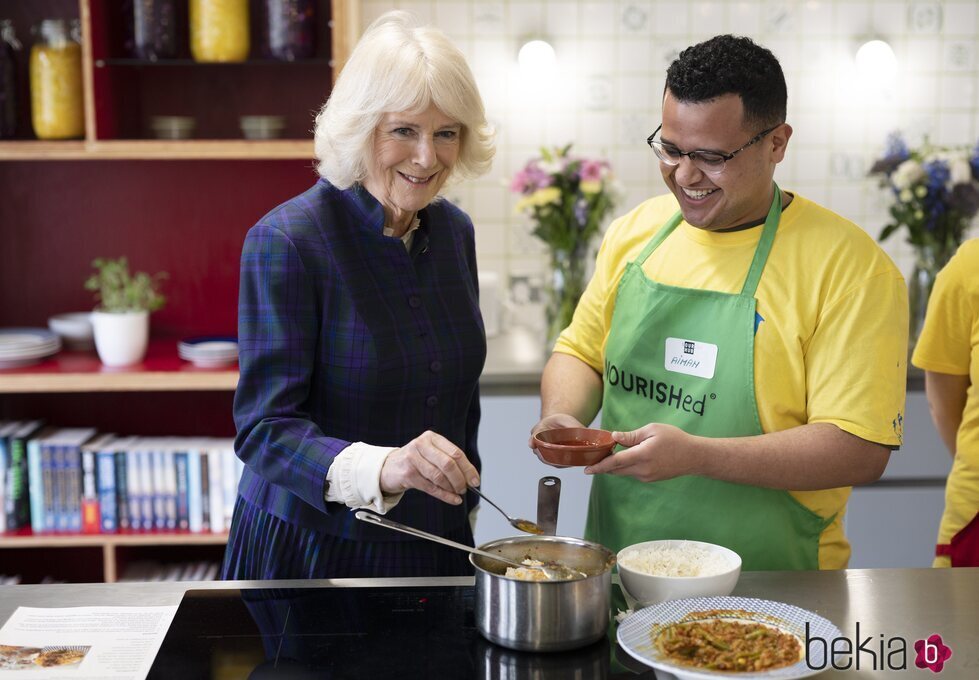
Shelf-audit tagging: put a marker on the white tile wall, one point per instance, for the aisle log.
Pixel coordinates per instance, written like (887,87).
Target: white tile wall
(612,56)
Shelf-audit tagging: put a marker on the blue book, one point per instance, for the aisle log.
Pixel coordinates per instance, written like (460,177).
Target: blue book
(105,485)
(182,501)
(35,479)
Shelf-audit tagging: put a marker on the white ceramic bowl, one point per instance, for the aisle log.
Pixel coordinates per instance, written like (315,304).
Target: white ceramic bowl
(644,589)
(74,329)
(261,127)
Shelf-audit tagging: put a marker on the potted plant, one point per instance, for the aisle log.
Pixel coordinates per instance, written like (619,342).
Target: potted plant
(121,319)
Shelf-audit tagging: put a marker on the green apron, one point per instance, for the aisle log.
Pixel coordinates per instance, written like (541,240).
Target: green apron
(686,357)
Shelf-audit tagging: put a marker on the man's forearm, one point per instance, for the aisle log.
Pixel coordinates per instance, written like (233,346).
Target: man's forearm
(570,386)
(814,456)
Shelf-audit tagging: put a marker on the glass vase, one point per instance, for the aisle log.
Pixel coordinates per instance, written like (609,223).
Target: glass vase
(929,260)
(564,288)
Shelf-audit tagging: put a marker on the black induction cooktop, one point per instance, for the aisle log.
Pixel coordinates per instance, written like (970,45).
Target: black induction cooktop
(350,633)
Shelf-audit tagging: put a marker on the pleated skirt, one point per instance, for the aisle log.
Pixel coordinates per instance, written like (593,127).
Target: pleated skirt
(262,546)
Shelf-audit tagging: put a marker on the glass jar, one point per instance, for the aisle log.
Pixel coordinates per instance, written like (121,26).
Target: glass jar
(57,109)
(288,29)
(219,30)
(152,29)
(8,80)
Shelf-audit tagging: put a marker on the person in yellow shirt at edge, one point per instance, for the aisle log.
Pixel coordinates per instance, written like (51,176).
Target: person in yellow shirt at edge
(948,350)
(746,346)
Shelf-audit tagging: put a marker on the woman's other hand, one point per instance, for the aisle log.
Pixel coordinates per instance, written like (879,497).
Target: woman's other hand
(429,463)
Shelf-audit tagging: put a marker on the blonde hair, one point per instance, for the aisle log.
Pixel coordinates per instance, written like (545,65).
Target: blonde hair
(399,66)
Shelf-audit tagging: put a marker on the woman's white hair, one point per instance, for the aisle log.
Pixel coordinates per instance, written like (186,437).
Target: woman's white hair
(399,66)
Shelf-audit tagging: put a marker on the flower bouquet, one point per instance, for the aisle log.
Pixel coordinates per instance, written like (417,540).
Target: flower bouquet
(567,198)
(935,193)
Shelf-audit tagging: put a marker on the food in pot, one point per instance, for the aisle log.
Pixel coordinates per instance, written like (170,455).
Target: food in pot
(680,560)
(722,645)
(525,573)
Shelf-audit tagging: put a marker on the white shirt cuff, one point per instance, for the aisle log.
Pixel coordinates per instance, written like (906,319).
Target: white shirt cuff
(354,478)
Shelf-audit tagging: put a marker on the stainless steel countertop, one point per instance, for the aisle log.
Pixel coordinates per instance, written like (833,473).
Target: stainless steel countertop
(886,603)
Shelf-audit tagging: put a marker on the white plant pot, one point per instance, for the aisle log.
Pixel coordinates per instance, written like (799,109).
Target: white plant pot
(121,337)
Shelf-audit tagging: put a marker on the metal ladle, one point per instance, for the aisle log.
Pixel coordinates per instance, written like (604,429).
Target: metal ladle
(552,571)
(524,525)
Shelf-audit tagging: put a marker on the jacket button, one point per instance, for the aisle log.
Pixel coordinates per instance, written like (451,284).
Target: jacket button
(436,366)
(414,301)
(432,400)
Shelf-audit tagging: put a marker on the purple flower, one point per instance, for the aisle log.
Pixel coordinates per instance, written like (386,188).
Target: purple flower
(974,162)
(530,179)
(592,171)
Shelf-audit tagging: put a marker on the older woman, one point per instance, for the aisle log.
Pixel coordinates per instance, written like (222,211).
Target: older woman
(360,338)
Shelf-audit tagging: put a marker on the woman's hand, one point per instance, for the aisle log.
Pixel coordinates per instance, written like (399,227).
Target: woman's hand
(429,463)
(653,452)
(551,422)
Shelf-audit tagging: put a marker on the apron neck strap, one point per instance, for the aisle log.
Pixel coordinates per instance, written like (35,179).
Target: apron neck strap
(764,244)
(761,251)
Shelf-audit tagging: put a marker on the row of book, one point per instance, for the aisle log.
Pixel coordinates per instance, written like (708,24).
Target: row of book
(149,570)
(76,480)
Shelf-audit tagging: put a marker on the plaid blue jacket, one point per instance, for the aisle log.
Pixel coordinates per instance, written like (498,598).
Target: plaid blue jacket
(346,336)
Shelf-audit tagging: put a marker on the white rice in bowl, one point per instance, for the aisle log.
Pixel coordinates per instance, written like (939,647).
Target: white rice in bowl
(684,559)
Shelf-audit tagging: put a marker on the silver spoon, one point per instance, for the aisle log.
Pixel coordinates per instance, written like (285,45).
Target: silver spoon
(524,525)
(553,572)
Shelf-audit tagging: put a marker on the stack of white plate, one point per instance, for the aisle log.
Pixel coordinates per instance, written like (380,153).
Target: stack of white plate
(26,346)
(209,351)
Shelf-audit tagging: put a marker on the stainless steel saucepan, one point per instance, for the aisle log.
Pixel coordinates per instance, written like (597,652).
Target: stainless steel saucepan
(544,616)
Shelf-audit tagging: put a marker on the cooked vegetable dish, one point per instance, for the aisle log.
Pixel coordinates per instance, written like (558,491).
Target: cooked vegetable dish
(728,645)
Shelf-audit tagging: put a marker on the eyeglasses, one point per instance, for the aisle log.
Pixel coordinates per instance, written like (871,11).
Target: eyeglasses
(711,162)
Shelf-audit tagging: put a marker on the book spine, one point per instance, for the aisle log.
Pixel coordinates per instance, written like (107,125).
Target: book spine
(47,480)
(123,513)
(105,469)
(195,517)
(169,490)
(73,480)
(217,490)
(36,483)
(90,512)
(182,510)
(18,498)
(205,493)
(146,490)
(134,487)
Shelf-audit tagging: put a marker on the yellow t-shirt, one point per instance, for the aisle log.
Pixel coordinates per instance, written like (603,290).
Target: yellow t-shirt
(831,344)
(949,343)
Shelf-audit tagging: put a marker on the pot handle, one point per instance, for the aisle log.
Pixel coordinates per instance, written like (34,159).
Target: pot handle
(548,498)
(371,518)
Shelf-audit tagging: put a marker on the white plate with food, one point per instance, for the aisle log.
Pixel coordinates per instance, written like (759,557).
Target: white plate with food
(704,638)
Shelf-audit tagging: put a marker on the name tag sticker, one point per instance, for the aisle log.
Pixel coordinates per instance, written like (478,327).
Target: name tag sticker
(690,357)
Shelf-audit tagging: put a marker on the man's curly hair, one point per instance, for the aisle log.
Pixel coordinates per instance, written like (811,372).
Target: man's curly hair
(728,64)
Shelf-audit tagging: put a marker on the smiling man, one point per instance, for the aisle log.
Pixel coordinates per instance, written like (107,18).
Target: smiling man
(746,346)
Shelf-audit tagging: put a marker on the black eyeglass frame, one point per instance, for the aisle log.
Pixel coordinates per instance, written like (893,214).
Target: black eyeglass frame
(693,155)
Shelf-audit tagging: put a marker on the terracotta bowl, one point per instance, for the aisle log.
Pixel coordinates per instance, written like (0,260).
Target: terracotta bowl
(574,445)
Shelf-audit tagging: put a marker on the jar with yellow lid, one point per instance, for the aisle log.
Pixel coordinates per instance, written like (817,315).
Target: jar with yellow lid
(57,108)
(219,30)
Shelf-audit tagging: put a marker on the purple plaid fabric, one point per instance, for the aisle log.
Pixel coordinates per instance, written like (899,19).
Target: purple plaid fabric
(345,336)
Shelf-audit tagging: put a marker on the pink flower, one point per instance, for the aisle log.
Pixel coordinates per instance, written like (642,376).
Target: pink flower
(932,653)
(592,171)
(530,179)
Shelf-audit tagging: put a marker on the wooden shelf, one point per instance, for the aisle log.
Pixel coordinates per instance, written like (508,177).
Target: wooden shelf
(28,540)
(161,371)
(151,149)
